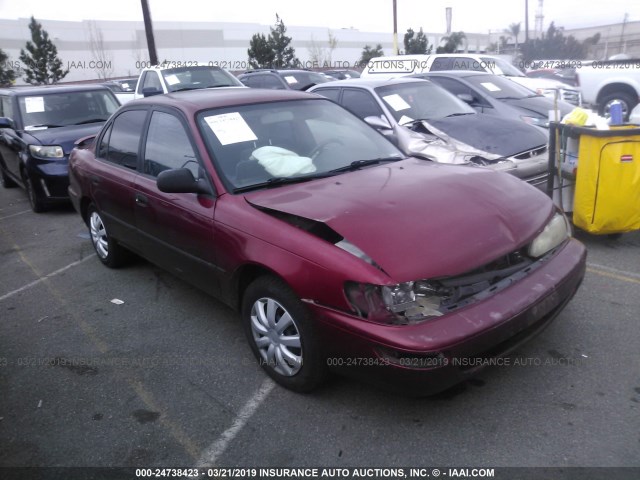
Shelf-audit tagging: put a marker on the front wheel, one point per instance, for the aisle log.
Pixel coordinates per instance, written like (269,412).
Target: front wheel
(281,335)
(35,197)
(108,250)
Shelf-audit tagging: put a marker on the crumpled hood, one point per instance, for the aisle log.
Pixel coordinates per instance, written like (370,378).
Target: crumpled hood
(65,136)
(418,219)
(492,134)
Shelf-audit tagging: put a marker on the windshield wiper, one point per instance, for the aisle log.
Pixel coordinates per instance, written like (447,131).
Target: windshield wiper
(358,164)
(278,181)
(459,114)
(93,120)
(43,125)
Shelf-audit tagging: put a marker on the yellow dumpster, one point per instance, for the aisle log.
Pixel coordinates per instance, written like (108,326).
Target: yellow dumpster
(607,189)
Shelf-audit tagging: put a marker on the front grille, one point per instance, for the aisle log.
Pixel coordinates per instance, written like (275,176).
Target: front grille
(571,96)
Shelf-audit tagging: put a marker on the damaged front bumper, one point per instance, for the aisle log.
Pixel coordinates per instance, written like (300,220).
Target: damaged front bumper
(429,357)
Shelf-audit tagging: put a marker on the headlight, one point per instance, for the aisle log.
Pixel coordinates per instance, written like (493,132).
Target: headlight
(401,304)
(554,233)
(46,151)
(539,121)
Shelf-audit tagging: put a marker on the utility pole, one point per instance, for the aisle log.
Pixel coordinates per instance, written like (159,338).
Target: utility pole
(624,23)
(526,21)
(148,29)
(395,28)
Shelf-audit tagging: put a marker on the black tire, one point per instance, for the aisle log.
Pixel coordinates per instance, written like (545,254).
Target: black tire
(310,371)
(36,200)
(7,181)
(108,250)
(625,99)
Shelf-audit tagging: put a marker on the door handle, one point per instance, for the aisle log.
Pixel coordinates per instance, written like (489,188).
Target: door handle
(142,200)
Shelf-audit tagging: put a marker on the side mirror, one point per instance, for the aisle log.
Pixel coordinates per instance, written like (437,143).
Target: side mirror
(6,122)
(465,97)
(378,123)
(150,92)
(180,180)
(85,142)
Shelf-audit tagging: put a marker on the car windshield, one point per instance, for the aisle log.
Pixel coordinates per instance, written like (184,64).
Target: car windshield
(502,67)
(70,108)
(196,77)
(260,145)
(303,80)
(421,101)
(500,88)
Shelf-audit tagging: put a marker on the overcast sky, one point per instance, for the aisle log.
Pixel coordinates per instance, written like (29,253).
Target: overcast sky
(364,15)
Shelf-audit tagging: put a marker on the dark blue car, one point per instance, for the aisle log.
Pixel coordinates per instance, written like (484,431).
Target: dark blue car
(38,127)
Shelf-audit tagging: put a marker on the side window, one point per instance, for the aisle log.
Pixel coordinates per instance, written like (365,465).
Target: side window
(151,80)
(168,146)
(124,140)
(361,103)
(273,82)
(5,107)
(441,63)
(330,93)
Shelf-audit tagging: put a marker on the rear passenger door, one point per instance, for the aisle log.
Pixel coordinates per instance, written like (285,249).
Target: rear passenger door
(112,181)
(176,228)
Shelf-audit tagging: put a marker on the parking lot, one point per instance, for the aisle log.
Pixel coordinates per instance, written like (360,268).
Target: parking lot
(163,376)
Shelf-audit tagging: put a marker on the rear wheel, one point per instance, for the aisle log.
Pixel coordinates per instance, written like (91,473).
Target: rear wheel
(108,250)
(281,334)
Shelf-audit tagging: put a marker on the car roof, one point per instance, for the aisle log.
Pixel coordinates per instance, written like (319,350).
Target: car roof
(456,73)
(195,100)
(368,82)
(27,90)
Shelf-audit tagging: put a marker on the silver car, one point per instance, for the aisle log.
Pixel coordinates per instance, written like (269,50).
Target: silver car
(425,120)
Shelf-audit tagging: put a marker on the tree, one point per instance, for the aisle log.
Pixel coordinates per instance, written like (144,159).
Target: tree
(261,55)
(101,56)
(319,55)
(514,31)
(452,43)
(41,62)
(368,53)
(7,74)
(417,45)
(273,51)
(553,44)
(285,55)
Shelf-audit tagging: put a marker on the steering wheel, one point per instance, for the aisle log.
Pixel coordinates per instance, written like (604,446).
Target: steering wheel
(320,147)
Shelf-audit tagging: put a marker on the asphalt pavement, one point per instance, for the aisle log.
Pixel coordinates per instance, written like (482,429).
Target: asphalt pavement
(134,367)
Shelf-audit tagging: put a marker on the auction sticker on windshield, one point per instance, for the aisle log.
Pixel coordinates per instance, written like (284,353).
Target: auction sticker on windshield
(290,79)
(230,128)
(396,102)
(492,87)
(34,104)
(172,79)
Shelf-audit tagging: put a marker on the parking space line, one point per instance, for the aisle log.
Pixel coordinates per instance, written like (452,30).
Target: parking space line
(15,214)
(209,457)
(42,278)
(610,272)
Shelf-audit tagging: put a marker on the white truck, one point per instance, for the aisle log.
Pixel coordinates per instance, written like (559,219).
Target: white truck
(604,82)
(174,77)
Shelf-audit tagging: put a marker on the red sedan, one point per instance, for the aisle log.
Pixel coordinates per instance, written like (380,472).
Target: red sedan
(338,252)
